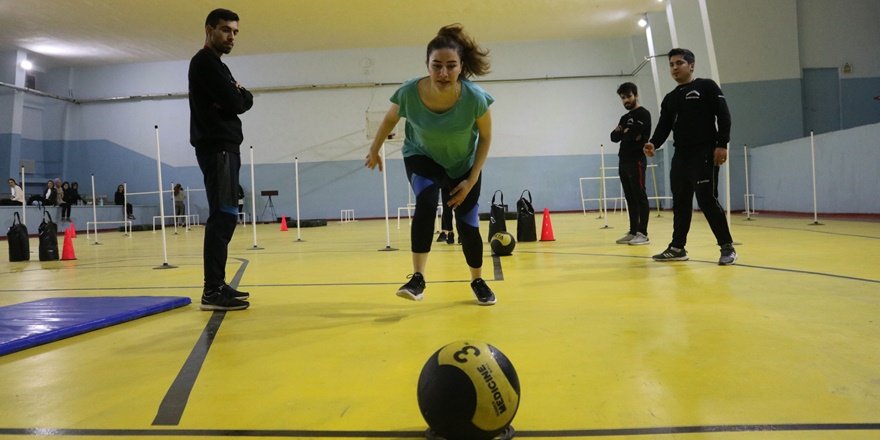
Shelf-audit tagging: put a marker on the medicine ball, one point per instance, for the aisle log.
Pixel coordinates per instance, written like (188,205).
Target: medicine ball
(502,243)
(468,390)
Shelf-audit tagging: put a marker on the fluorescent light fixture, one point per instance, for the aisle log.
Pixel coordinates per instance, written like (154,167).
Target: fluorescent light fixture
(642,22)
(27,65)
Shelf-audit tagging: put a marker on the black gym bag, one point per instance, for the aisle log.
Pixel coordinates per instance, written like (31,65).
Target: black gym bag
(19,245)
(497,213)
(525,218)
(48,238)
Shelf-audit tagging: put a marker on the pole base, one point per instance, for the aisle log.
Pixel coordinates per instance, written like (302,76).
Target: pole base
(816,223)
(165,266)
(388,248)
(255,248)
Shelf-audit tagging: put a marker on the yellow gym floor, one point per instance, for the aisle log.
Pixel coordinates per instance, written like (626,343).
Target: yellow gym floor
(606,342)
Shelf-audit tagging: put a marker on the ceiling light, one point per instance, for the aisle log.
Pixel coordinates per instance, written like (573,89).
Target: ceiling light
(642,22)
(27,65)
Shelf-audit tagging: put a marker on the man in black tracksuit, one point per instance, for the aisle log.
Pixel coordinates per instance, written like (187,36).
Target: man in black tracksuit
(632,132)
(215,101)
(692,111)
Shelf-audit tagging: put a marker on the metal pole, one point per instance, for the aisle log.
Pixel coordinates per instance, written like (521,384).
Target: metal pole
(24,201)
(165,264)
(253,203)
(726,166)
(656,190)
(813,162)
(125,207)
(94,212)
(603,206)
(746,161)
(296,178)
(385,191)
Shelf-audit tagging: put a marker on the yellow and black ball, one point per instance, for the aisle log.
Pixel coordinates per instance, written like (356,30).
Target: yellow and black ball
(502,243)
(468,390)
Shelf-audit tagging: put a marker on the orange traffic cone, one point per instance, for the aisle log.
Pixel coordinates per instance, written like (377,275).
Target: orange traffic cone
(72,229)
(67,253)
(547,227)
(283,222)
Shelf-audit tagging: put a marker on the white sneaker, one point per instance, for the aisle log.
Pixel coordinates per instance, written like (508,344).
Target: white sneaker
(639,239)
(625,239)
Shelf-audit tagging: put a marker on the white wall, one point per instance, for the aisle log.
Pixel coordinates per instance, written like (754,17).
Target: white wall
(846,175)
(544,117)
(755,40)
(835,32)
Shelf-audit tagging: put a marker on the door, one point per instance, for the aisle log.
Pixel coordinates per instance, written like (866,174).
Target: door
(821,100)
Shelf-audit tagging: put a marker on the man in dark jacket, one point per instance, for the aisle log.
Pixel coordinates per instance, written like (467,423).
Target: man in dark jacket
(697,112)
(632,132)
(215,101)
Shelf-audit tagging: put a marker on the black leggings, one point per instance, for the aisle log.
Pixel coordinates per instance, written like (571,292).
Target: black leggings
(220,172)
(693,171)
(426,178)
(632,179)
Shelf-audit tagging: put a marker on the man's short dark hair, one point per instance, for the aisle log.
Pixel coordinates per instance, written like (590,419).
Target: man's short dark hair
(685,53)
(628,88)
(220,14)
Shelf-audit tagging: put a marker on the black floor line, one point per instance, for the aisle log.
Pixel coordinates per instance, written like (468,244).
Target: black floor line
(291,433)
(174,403)
(817,231)
(751,266)
(496,264)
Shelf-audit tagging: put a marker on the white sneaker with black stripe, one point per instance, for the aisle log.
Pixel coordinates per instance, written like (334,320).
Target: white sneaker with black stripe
(672,254)
(639,240)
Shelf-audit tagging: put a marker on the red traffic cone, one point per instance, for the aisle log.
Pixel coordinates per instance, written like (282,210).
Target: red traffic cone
(72,229)
(283,222)
(67,253)
(547,227)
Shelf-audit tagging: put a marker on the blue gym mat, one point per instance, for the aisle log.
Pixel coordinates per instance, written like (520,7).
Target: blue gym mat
(38,322)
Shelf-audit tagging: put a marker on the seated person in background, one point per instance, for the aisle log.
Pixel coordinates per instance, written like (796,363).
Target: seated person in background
(119,199)
(63,195)
(48,198)
(17,198)
(73,196)
(179,204)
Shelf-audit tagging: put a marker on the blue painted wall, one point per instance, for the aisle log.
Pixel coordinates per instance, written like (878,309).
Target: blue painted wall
(858,103)
(764,112)
(6,140)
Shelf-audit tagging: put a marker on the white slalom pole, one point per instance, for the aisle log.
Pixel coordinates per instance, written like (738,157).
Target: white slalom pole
(813,162)
(727,190)
(656,190)
(165,264)
(748,202)
(125,208)
(94,212)
(24,202)
(604,205)
(296,178)
(385,191)
(186,213)
(253,203)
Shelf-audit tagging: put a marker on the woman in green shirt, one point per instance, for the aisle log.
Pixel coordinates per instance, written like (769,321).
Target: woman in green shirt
(448,132)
